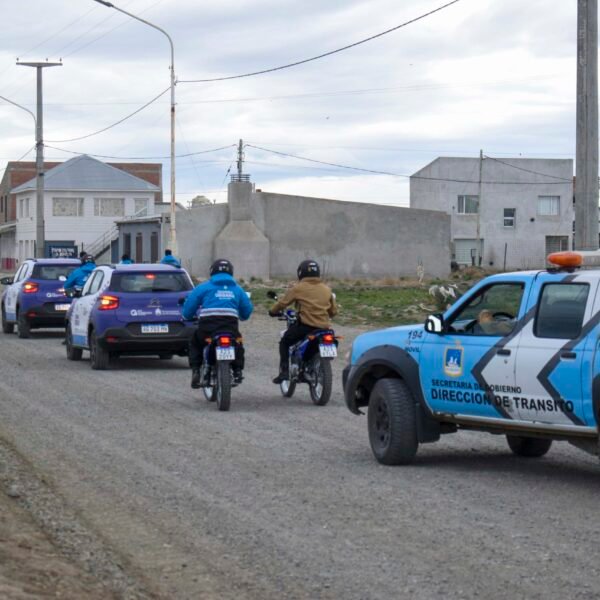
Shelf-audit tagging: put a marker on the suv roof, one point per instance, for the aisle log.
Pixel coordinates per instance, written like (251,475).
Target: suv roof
(54,261)
(146,267)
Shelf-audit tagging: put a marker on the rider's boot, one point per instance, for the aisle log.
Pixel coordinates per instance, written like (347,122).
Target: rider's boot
(284,374)
(195,378)
(238,375)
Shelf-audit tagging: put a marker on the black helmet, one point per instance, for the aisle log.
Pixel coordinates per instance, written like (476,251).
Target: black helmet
(221,265)
(308,268)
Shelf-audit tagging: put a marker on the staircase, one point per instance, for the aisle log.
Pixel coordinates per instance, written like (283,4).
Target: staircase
(98,247)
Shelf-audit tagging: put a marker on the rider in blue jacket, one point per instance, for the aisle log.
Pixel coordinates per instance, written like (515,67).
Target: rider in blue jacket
(169,259)
(80,275)
(222,303)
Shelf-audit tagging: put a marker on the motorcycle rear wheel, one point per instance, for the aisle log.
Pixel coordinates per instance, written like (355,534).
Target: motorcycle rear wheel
(223,389)
(320,390)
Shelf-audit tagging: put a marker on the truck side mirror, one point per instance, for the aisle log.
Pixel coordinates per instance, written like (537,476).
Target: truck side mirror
(6,281)
(434,324)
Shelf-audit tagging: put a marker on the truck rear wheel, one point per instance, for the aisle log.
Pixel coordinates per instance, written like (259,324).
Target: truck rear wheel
(526,446)
(392,419)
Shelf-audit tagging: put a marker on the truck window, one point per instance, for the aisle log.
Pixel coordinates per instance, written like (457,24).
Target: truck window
(492,311)
(560,310)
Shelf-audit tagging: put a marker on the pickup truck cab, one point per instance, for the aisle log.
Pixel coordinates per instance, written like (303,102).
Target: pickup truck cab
(129,309)
(35,297)
(517,355)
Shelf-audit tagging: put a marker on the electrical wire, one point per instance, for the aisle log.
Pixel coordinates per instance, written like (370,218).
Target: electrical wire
(313,58)
(143,157)
(528,170)
(135,112)
(376,172)
(19,159)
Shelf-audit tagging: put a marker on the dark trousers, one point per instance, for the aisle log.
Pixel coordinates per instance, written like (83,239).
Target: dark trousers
(207,328)
(294,334)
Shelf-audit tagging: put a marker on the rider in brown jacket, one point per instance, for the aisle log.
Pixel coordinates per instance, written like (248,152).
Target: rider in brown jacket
(315,304)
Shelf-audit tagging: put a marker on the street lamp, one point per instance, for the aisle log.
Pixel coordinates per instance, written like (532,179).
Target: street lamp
(172,231)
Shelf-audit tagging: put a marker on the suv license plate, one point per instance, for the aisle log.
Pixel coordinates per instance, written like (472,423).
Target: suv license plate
(327,350)
(155,328)
(225,353)
(62,307)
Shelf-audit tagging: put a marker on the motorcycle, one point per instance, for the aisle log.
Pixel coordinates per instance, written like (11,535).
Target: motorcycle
(310,360)
(216,374)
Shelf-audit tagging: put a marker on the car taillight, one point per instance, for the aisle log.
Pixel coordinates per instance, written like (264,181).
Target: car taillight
(108,303)
(31,287)
(328,338)
(224,341)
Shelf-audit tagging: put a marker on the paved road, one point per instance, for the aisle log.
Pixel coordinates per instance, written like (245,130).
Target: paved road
(282,499)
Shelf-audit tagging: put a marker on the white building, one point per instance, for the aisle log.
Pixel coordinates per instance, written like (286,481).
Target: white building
(83,198)
(525,211)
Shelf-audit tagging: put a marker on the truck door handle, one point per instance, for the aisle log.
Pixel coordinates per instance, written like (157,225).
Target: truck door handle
(503,352)
(568,355)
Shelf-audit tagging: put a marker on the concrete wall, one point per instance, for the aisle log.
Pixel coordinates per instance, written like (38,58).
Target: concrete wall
(351,239)
(197,230)
(526,242)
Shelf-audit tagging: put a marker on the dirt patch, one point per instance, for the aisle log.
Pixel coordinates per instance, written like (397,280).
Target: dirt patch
(31,567)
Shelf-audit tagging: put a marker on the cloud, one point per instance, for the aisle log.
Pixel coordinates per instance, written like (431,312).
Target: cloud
(482,74)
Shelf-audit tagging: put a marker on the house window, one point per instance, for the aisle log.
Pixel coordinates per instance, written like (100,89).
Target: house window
(127,243)
(109,207)
(548,206)
(510,217)
(141,207)
(468,205)
(67,207)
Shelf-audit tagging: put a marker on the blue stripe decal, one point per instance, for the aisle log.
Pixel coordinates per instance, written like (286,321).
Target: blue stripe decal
(80,340)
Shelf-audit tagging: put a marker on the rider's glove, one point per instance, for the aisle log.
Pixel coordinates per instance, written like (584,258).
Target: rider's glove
(274,313)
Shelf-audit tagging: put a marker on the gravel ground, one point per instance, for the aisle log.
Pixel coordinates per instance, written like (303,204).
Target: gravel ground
(282,499)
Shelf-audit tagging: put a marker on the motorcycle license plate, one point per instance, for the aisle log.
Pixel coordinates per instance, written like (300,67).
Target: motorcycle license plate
(328,350)
(225,353)
(155,328)
(61,307)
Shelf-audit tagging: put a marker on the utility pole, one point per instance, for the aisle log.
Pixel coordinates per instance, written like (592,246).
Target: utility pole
(240,160)
(40,229)
(478,222)
(586,154)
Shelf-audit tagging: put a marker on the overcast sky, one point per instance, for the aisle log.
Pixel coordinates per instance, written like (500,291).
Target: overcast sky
(492,74)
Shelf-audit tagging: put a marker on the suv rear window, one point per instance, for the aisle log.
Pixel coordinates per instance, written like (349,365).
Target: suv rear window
(149,282)
(52,272)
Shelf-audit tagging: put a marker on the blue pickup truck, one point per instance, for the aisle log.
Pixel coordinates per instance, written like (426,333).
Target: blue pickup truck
(518,355)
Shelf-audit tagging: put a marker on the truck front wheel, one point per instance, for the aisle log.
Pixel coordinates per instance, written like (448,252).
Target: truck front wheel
(526,446)
(392,419)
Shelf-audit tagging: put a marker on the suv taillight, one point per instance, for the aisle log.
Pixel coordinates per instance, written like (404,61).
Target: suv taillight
(106,302)
(30,287)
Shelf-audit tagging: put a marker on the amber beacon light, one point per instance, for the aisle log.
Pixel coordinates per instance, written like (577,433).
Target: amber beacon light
(568,260)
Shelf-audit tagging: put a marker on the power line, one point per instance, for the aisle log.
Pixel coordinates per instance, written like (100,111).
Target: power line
(110,31)
(135,112)
(20,158)
(528,170)
(51,37)
(143,157)
(306,60)
(376,172)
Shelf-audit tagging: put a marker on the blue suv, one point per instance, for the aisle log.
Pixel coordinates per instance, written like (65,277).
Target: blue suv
(517,355)
(35,296)
(129,309)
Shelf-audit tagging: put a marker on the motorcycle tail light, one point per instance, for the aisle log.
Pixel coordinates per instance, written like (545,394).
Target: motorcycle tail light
(328,338)
(31,287)
(224,341)
(108,302)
